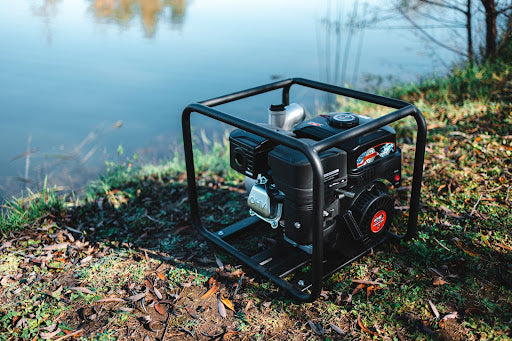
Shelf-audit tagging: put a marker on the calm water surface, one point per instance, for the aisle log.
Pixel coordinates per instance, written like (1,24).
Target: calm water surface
(79,78)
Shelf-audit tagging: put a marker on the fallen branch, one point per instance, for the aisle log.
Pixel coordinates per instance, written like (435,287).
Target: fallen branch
(444,247)
(476,205)
(362,281)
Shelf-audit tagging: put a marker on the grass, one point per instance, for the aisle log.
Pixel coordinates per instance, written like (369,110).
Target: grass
(481,82)
(26,209)
(130,234)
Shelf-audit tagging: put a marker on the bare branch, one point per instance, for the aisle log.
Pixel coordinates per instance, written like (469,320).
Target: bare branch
(503,10)
(444,4)
(429,16)
(430,37)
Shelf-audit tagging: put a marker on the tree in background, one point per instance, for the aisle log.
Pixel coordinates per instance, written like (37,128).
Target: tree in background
(457,14)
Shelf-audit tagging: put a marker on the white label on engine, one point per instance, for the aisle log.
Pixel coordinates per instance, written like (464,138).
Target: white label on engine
(331,175)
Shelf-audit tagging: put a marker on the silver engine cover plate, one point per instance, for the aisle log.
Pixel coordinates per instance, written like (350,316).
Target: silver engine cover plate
(259,201)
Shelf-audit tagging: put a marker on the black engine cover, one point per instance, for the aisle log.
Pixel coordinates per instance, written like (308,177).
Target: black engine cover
(292,174)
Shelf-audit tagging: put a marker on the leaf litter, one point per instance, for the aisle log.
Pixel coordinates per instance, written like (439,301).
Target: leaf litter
(99,231)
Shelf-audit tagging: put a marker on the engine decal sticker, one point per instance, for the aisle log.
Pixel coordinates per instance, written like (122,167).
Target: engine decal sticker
(314,124)
(371,154)
(378,221)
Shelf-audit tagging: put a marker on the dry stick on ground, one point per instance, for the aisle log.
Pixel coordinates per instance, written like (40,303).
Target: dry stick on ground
(473,210)
(444,247)
(362,281)
(476,205)
(70,335)
(166,326)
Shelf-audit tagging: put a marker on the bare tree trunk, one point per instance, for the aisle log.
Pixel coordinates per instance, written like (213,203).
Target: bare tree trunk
(490,27)
(469,31)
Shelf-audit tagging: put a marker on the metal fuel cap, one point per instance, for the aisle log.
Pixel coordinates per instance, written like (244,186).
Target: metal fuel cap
(343,120)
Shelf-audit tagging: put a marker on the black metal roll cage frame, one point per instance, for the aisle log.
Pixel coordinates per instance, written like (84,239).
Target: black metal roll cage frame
(311,152)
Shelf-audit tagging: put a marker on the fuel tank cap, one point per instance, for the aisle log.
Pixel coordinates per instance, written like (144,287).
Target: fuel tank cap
(343,120)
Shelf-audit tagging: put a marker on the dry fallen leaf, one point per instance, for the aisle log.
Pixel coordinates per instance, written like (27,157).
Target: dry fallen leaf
(159,308)
(54,247)
(148,284)
(439,281)
(211,280)
(21,322)
(228,303)
(50,328)
(211,291)
(136,297)
(219,263)
(229,335)
(157,293)
(86,260)
(161,276)
(49,335)
(57,291)
(82,289)
(110,299)
(434,309)
(464,248)
(371,289)
(363,327)
(222,309)
(358,289)
(453,315)
(504,246)
(317,328)
(248,306)
(336,329)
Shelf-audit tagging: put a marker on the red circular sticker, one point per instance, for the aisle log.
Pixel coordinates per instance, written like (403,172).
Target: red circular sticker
(378,221)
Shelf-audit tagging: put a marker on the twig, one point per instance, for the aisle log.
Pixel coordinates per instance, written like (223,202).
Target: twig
(444,247)
(166,326)
(70,335)
(362,281)
(494,189)
(476,205)
(436,272)
(508,195)
(73,230)
(154,220)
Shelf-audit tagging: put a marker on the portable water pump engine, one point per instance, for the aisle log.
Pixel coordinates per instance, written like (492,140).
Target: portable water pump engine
(322,183)
(356,178)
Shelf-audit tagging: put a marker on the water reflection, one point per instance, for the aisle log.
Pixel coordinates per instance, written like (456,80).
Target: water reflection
(151,11)
(65,81)
(46,10)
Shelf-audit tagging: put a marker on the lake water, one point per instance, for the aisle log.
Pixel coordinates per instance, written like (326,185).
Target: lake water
(79,78)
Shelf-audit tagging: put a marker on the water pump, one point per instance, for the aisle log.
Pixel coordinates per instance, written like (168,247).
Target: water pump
(323,183)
